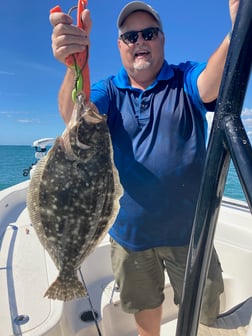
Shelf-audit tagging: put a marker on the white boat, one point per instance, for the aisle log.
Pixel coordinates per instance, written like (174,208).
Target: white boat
(26,271)
(41,147)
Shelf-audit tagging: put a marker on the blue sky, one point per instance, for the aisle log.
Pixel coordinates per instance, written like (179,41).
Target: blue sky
(30,77)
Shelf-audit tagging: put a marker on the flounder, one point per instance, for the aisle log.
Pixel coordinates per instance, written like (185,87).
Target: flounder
(73,196)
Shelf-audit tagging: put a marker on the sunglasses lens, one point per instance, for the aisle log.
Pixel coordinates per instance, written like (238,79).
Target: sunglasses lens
(130,37)
(149,33)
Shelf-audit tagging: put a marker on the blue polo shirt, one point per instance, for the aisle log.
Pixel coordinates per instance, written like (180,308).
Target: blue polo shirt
(158,138)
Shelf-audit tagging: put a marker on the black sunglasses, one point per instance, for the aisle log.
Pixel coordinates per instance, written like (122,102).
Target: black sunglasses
(148,34)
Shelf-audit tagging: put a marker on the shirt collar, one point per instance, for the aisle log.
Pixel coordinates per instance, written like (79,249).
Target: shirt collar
(121,80)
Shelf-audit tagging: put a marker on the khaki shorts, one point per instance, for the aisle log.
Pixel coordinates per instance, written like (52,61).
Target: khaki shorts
(140,277)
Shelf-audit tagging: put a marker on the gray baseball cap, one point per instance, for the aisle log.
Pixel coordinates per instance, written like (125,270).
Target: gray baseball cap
(135,6)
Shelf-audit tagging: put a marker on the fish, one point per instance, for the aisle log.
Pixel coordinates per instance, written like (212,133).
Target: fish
(73,196)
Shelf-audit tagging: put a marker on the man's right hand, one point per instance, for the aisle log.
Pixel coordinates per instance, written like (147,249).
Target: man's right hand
(67,38)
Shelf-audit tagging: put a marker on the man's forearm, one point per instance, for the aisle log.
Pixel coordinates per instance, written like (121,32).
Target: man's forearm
(210,79)
(65,96)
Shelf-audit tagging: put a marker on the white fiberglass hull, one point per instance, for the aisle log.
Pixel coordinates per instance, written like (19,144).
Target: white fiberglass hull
(26,271)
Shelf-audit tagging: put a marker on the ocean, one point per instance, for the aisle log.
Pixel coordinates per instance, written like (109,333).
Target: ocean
(15,159)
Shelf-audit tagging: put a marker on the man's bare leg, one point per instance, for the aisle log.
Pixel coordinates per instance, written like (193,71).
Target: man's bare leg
(148,321)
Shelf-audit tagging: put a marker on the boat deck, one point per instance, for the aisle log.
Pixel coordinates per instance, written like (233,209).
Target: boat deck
(232,323)
(23,265)
(26,271)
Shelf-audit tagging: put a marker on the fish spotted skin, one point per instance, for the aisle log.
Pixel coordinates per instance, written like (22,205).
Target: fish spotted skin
(73,197)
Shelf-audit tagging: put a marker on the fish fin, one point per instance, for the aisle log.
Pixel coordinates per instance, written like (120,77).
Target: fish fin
(66,289)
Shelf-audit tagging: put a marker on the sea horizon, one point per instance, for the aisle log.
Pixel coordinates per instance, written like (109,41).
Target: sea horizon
(15,160)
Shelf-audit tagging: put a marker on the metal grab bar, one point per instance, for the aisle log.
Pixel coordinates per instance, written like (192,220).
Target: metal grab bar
(228,139)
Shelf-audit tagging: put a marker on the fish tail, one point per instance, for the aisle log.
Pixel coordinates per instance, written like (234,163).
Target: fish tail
(66,288)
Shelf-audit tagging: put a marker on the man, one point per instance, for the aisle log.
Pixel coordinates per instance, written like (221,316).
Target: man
(156,115)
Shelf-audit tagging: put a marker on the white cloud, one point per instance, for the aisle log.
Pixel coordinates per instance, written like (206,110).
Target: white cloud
(28,121)
(7,73)
(247,121)
(21,117)
(11,94)
(246,117)
(5,112)
(11,113)
(247,112)
(39,67)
